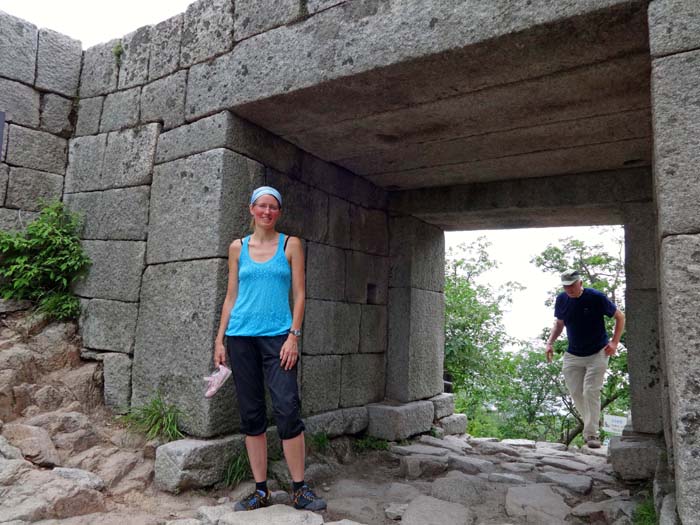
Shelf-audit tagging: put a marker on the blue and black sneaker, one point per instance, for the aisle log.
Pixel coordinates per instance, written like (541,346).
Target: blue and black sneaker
(256,500)
(304,498)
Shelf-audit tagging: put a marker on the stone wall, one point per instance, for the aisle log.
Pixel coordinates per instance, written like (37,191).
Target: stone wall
(674,39)
(39,73)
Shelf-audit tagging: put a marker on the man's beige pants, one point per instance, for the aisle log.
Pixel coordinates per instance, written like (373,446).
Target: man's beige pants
(584,378)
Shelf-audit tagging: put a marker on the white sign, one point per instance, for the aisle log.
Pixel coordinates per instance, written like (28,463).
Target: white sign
(614,424)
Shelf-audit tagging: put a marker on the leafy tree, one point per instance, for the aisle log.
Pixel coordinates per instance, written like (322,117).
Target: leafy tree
(474,332)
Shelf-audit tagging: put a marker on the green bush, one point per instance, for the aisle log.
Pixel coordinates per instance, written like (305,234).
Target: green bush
(157,419)
(645,514)
(366,443)
(42,263)
(319,442)
(237,470)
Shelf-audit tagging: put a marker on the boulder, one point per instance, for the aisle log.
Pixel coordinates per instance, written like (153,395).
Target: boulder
(537,504)
(34,442)
(426,510)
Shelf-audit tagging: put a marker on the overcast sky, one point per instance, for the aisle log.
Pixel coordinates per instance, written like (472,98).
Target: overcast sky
(513,249)
(95,21)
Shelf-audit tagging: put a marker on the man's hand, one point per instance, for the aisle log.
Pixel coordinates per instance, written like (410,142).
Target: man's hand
(611,348)
(549,352)
(219,354)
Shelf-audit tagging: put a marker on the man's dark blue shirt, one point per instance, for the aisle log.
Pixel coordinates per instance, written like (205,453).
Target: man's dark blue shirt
(583,318)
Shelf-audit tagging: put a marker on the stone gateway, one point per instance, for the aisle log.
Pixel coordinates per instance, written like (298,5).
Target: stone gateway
(384,124)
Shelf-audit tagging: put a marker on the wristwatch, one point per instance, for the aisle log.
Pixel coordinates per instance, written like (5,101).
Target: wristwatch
(295,332)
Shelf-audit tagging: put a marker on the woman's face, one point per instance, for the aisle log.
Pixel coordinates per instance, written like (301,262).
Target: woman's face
(265,211)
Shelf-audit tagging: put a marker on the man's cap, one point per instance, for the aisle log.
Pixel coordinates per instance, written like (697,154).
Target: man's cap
(570,277)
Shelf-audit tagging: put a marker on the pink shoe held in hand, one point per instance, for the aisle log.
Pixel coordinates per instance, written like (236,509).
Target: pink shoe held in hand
(216,380)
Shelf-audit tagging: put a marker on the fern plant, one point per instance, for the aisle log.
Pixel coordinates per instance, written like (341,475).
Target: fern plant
(42,263)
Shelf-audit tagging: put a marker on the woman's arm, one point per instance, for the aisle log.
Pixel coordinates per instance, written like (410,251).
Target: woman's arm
(234,250)
(289,354)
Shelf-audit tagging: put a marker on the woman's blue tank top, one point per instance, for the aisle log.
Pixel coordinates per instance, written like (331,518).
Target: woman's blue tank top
(262,304)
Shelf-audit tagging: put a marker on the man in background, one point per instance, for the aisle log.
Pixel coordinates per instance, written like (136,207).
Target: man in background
(582,310)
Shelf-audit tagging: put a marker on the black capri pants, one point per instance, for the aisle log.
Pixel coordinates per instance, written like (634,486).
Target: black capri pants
(255,361)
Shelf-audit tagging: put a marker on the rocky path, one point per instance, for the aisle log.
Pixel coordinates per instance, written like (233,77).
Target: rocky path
(64,460)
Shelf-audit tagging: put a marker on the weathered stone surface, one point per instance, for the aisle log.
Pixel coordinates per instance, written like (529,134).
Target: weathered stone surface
(34,442)
(471,465)
(320,388)
(518,467)
(89,113)
(109,325)
(212,191)
(55,114)
(36,150)
(497,477)
(522,443)
(164,100)
(453,444)
(493,448)
(85,161)
(680,302)
(314,6)
(373,329)
(207,31)
(642,339)
(117,382)
(394,422)
(338,233)
(27,189)
(128,159)
(425,450)
(3,145)
(611,509)
(165,47)
(191,463)
(537,504)
(282,514)
(634,460)
(668,514)
(367,278)
(454,424)
(566,464)
(120,110)
(179,310)
(416,339)
(226,130)
(10,305)
(251,17)
(120,214)
(7,451)
(426,510)
(466,489)
(331,327)
(673,26)
(136,50)
(325,272)
(338,422)
(58,63)
(21,103)
(115,272)
(15,220)
(362,379)
(573,482)
(100,69)
(420,465)
(444,405)
(18,40)
(81,477)
(417,251)
(33,494)
(369,230)
(4,175)
(676,104)
(641,260)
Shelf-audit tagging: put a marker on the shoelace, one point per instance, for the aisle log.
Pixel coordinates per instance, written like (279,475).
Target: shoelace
(253,498)
(306,492)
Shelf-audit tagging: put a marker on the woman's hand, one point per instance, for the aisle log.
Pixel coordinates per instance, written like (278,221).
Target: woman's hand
(219,354)
(289,353)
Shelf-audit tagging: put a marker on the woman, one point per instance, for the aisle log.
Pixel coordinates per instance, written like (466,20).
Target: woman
(261,344)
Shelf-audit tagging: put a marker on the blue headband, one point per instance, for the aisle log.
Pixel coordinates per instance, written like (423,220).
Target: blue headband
(265,190)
